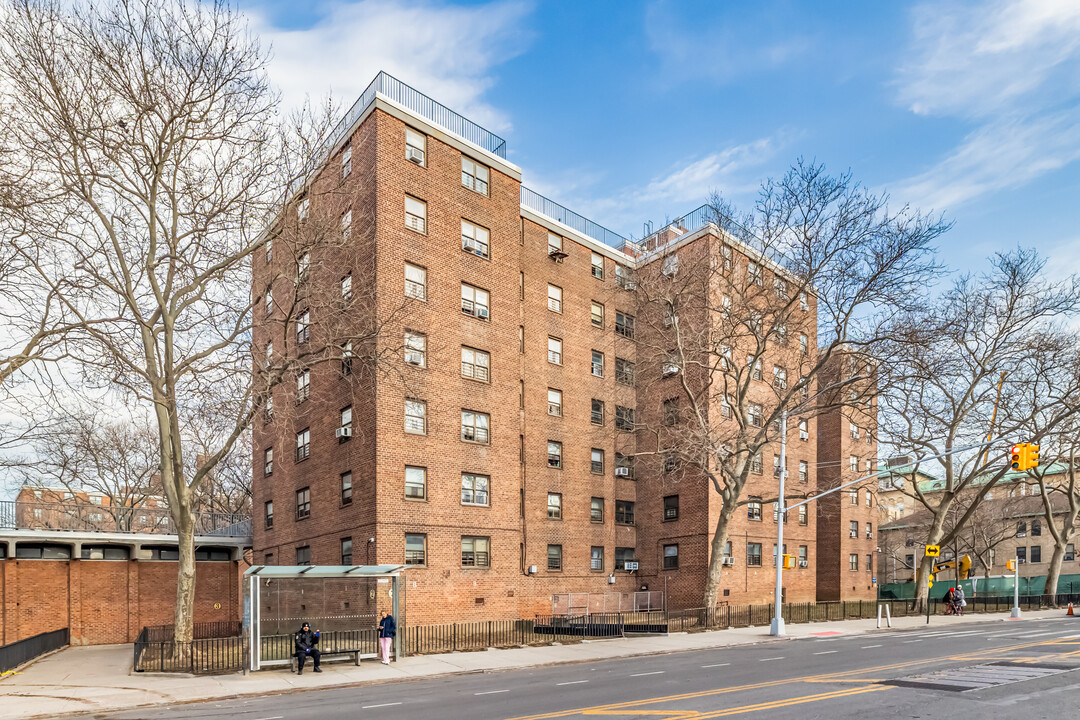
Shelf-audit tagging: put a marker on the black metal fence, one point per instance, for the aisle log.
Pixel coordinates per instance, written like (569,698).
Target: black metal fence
(17,653)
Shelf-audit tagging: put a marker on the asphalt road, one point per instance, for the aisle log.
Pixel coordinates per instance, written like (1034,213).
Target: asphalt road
(1024,670)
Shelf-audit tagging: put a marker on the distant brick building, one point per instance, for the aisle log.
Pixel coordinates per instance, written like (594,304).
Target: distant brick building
(498,461)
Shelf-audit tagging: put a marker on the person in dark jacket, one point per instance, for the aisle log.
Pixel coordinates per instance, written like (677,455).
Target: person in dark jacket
(950,601)
(387,631)
(306,641)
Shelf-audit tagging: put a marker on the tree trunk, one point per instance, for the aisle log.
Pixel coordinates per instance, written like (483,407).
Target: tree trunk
(716,555)
(1053,573)
(922,591)
(185,577)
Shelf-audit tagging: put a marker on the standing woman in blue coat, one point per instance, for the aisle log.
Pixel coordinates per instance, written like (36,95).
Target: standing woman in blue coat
(387,631)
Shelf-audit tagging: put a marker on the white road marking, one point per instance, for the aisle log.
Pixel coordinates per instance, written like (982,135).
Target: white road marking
(768,659)
(276,717)
(573,682)
(867,647)
(826,652)
(906,642)
(491,692)
(655,672)
(368,707)
(716,665)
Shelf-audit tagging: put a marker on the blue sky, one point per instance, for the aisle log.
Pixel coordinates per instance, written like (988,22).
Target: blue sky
(632,111)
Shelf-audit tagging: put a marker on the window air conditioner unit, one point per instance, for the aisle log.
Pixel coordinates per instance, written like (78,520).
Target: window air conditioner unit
(670,369)
(556,254)
(472,246)
(412,359)
(532,569)
(482,312)
(416,156)
(728,562)
(622,472)
(630,285)
(343,432)
(803,563)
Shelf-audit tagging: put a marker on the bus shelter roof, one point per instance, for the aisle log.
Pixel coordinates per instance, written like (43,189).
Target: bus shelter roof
(324,571)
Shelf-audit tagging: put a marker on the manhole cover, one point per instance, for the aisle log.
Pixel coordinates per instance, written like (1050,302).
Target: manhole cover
(978,677)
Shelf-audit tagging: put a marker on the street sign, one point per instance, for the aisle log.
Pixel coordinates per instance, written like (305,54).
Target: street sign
(631,566)
(933,550)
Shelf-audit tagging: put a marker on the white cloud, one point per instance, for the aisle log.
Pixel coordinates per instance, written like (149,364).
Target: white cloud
(446,52)
(1008,67)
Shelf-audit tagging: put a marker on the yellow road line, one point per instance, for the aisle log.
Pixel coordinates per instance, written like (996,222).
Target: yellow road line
(792,701)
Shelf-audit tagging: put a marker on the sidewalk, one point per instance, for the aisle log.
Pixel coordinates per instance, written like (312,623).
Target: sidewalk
(99,678)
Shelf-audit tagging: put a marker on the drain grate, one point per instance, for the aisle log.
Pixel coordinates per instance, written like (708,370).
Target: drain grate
(979,677)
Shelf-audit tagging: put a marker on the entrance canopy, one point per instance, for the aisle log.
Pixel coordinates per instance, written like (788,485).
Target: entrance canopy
(343,602)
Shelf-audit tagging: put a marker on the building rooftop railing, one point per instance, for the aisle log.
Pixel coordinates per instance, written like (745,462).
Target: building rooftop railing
(82,517)
(688,223)
(535,201)
(422,105)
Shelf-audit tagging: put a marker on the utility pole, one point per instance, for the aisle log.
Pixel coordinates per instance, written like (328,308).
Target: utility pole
(1016,588)
(777,627)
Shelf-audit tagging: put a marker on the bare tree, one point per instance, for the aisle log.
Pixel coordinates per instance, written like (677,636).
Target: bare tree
(165,175)
(940,376)
(1060,494)
(730,340)
(991,523)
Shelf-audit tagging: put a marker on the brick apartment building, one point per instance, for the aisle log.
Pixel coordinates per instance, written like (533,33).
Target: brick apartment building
(498,460)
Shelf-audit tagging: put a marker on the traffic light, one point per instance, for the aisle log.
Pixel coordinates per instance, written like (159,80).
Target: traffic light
(1017,453)
(1032,456)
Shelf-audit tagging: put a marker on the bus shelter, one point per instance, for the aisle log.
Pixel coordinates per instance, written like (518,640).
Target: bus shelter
(343,602)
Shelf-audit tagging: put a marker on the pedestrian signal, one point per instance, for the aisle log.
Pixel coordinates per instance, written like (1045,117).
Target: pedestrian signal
(789,562)
(933,551)
(1011,564)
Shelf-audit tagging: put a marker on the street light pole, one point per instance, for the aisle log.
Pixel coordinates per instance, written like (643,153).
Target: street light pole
(777,627)
(1016,589)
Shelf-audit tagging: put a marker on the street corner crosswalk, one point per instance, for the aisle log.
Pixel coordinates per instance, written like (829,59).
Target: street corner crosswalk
(980,677)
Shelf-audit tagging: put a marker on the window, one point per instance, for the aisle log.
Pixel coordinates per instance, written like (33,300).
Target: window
(804,430)
(623,555)
(776,466)
(474,551)
(474,427)
(624,324)
(753,510)
(303,445)
(415,482)
(853,562)
(346,551)
(753,272)
(554,454)
(671,265)
(268,559)
(779,377)
(346,160)
(756,465)
(475,239)
(415,147)
(475,364)
(1036,529)
(268,462)
(269,249)
(671,557)
(624,371)
(521,339)
(554,556)
(671,507)
(346,358)
(554,351)
(554,402)
(303,207)
(303,555)
(804,344)
(853,463)
(346,424)
(803,304)
(269,300)
(268,510)
(554,243)
(303,503)
(596,510)
(598,267)
(725,406)
(346,224)
(804,516)
(726,258)
(596,558)
(869,563)
(554,298)
(909,561)
(855,432)
(303,327)
(804,471)
(670,461)
(753,554)
(869,499)
(780,287)
(803,553)
(754,412)
(474,302)
(853,497)
(624,512)
(415,416)
(597,314)
(781,335)
(415,282)
(755,367)
(1036,553)
(303,385)
(624,418)
(415,214)
(415,348)
(671,411)
(853,529)
(474,489)
(415,549)
(596,415)
(624,466)
(346,488)
(474,176)
(1021,527)
(268,409)
(554,506)
(624,278)
(869,530)
(596,462)
(1070,552)
(1021,554)
(302,265)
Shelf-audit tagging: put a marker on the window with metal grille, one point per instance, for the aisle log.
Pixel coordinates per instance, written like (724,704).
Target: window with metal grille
(804,515)
(598,266)
(268,461)
(415,214)
(346,551)
(596,510)
(597,314)
(475,364)
(554,506)
(303,555)
(554,351)
(474,176)
(756,465)
(671,557)
(624,371)
(303,385)
(303,444)
(415,549)
(853,529)
(554,557)
(474,551)
(346,488)
(596,414)
(624,324)
(554,450)
(415,147)
(753,510)
(415,482)
(268,510)
(474,427)
(554,398)
(415,416)
(624,418)
(474,489)
(753,554)
(303,327)
(415,348)
(671,507)
(624,466)
(596,462)
(596,558)
(554,298)
(303,503)
(755,415)
(475,239)
(475,302)
(415,282)
(623,555)
(804,471)
(624,512)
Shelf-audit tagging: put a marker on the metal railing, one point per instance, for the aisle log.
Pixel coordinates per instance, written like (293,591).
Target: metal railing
(535,201)
(23,651)
(115,519)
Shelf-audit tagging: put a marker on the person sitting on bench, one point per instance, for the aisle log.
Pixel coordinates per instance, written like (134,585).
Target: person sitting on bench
(305,646)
